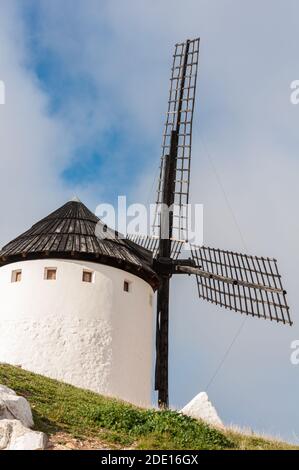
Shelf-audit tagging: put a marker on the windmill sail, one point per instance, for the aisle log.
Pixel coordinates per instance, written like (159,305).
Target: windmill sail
(152,244)
(243,283)
(179,120)
(246,284)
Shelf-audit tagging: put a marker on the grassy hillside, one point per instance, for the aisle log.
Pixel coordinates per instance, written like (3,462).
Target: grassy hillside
(75,418)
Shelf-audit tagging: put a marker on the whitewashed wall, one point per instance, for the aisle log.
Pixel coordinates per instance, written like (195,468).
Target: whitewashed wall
(92,335)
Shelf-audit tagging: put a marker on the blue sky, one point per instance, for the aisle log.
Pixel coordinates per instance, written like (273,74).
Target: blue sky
(87,85)
(103,152)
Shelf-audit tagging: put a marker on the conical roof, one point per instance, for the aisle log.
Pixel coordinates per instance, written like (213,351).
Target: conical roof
(74,232)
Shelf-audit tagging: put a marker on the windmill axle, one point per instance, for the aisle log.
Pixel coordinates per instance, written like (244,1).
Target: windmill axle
(167,266)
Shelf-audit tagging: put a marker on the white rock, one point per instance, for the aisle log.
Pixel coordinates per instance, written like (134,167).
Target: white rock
(14,407)
(5,389)
(15,436)
(201,408)
(15,420)
(5,432)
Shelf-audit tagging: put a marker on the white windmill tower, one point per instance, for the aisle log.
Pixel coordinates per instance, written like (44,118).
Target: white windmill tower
(78,308)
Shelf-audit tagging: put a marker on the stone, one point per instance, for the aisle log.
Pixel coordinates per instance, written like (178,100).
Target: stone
(15,436)
(5,389)
(201,408)
(5,432)
(15,421)
(14,407)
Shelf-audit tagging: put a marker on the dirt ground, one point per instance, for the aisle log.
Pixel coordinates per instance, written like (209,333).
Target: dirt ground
(63,441)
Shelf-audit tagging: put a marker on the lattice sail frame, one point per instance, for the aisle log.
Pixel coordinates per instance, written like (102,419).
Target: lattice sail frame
(152,244)
(179,117)
(246,284)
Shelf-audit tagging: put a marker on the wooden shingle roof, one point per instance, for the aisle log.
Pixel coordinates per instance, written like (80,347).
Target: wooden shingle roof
(74,232)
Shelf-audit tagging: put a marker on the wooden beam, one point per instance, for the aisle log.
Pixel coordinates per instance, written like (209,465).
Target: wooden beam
(227,280)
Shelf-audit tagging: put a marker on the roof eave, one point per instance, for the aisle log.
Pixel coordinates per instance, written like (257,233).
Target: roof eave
(142,271)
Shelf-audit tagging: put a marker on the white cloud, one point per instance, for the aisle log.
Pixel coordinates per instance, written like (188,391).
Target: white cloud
(33,146)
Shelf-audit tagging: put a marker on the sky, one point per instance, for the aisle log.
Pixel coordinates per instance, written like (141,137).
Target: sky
(86,91)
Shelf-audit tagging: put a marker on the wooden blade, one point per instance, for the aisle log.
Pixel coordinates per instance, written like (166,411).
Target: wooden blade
(246,284)
(152,244)
(179,120)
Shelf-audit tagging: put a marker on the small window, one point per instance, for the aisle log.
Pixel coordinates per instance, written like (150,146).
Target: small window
(127,286)
(50,274)
(87,276)
(16,276)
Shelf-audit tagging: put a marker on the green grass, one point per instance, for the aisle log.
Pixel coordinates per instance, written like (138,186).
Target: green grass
(58,407)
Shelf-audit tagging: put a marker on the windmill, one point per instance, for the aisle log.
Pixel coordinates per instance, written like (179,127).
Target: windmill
(247,284)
